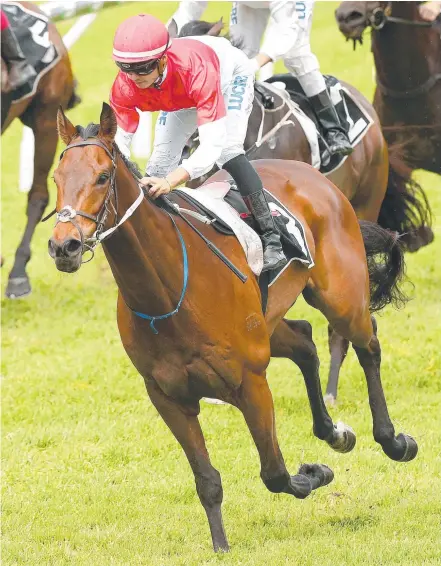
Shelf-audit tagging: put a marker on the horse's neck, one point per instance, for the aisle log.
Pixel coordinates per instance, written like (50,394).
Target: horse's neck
(142,252)
(401,50)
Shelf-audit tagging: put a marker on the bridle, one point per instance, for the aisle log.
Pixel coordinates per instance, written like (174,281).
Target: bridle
(381,16)
(68,214)
(377,20)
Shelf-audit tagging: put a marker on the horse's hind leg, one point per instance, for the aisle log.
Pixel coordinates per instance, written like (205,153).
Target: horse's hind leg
(184,424)
(44,126)
(293,339)
(338,348)
(256,403)
(401,448)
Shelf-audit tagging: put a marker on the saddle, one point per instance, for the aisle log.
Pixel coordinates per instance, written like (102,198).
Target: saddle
(293,241)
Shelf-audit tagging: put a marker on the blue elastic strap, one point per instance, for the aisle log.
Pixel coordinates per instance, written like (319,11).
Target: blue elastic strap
(184,287)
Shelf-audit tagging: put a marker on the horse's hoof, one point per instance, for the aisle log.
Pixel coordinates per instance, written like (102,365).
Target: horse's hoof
(343,439)
(18,287)
(330,400)
(411,447)
(325,474)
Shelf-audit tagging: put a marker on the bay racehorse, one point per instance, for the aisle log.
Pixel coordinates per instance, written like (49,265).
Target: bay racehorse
(187,346)
(407,55)
(374,178)
(39,112)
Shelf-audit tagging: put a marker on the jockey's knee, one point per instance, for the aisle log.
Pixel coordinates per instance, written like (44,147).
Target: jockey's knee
(228,154)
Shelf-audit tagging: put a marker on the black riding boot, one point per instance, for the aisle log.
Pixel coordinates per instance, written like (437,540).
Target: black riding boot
(335,136)
(20,72)
(250,187)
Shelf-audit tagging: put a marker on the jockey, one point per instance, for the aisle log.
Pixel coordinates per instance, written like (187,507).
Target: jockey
(200,83)
(20,72)
(287,38)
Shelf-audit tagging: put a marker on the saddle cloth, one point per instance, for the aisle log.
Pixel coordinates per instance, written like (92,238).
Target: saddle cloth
(353,118)
(222,203)
(32,32)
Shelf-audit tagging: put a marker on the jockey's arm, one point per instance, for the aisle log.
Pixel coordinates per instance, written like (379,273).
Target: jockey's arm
(187,12)
(281,34)
(127,119)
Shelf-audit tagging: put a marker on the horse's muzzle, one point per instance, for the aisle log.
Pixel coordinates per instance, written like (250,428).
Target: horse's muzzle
(351,23)
(67,254)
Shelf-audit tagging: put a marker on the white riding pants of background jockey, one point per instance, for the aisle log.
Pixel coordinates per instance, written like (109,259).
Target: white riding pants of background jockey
(173,129)
(287,37)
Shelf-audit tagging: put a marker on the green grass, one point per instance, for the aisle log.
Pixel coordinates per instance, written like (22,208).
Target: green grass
(91,474)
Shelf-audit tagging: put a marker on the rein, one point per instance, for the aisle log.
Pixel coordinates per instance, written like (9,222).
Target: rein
(377,20)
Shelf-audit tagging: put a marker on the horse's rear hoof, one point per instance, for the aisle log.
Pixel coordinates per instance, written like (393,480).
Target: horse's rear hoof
(18,288)
(411,447)
(343,439)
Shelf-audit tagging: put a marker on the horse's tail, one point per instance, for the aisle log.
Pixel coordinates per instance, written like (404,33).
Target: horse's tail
(405,207)
(74,99)
(385,259)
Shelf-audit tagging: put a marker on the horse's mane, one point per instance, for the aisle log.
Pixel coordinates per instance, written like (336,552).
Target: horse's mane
(92,130)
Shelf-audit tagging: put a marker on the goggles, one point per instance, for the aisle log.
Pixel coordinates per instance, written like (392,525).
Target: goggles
(142,68)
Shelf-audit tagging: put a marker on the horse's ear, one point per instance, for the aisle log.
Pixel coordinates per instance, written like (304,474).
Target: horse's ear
(107,124)
(216,28)
(66,130)
(172,29)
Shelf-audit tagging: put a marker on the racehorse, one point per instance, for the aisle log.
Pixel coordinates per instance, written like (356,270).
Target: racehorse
(189,346)
(39,111)
(376,181)
(407,55)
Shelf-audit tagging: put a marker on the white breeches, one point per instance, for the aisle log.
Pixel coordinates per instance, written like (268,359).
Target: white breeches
(173,129)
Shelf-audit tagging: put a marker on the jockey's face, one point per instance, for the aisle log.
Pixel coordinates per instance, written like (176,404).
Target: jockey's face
(146,81)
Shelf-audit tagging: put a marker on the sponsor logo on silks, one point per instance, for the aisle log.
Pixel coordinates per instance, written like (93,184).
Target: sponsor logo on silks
(162,118)
(233,15)
(301,10)
(237,92)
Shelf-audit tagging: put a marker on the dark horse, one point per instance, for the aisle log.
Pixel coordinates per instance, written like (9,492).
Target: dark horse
(221,348)
(376,181)
(39,112)
(407,55)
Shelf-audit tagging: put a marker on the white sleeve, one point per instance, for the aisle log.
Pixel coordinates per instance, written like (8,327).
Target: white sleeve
(212,139)
(283,29)
(123,140)
(186,12)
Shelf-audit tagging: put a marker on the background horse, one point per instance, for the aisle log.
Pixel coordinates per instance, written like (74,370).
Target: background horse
(206,347)
(39,112)
(375,180)
(407,55)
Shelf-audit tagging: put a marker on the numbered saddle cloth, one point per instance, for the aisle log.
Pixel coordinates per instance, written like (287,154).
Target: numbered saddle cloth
(32,32)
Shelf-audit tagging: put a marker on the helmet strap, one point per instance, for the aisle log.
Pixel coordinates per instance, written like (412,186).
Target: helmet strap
(162,64)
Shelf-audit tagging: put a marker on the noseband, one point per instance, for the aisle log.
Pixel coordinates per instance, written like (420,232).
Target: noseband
(68,214)
(381,16)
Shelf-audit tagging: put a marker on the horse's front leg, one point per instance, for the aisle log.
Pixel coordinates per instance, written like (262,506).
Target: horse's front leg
(184,424)
(45,132)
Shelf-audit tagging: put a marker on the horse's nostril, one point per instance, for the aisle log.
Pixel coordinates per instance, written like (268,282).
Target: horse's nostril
(51,248)
(71,247)
(353,17)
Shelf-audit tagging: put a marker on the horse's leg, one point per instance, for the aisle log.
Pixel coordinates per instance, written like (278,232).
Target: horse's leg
(356,326)
(256,403)
(44,126)
(184,424)
(402,448)
(338,348)
(293,339)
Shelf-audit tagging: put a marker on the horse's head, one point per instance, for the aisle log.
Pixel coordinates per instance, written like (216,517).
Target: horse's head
(85,179)
(354,17)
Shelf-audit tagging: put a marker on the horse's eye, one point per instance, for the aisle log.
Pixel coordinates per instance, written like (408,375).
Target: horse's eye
(103,178)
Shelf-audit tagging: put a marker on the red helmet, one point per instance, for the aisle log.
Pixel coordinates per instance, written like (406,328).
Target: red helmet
(140,38)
